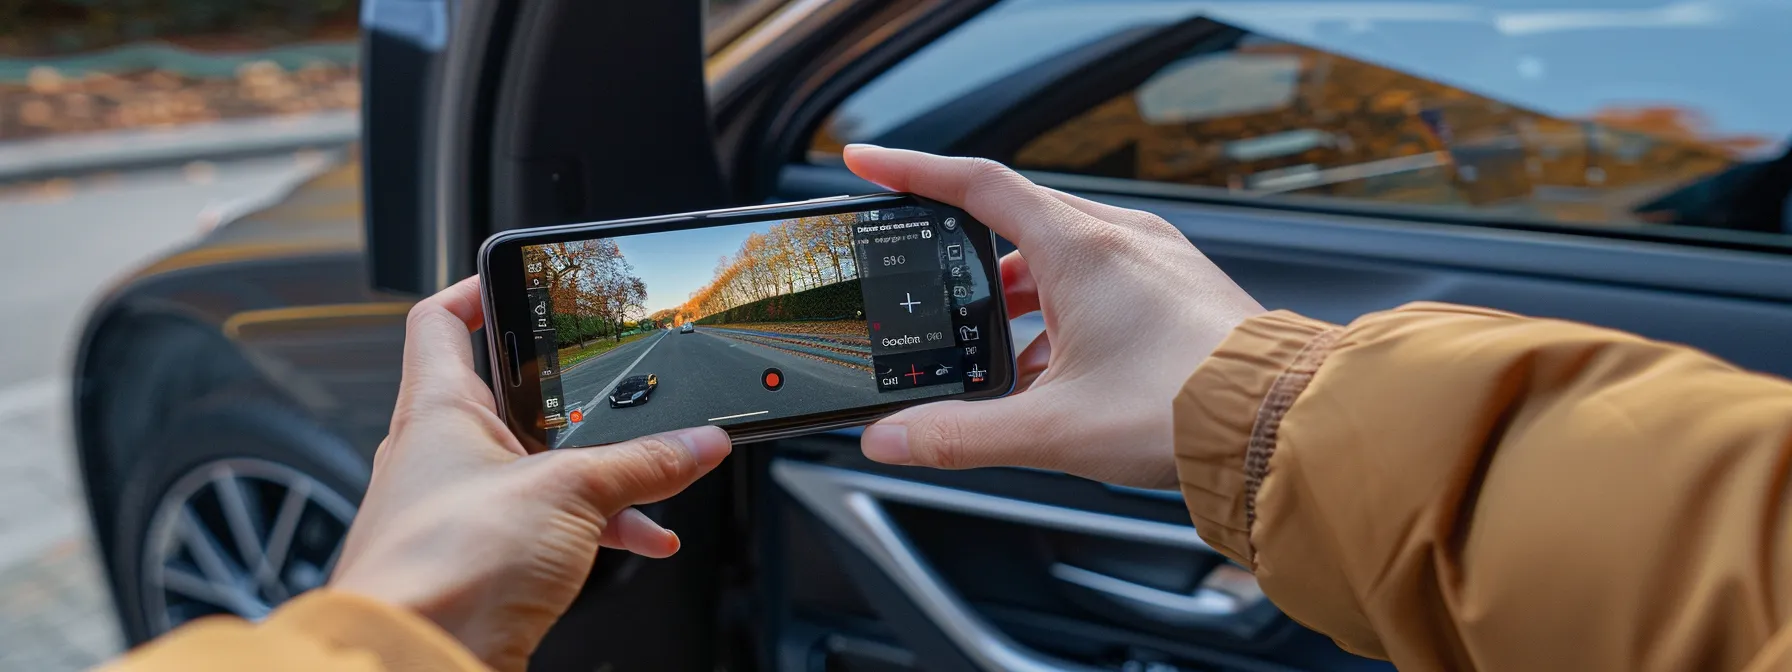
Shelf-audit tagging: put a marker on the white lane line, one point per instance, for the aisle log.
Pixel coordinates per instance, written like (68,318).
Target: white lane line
(738,415)
(605,389)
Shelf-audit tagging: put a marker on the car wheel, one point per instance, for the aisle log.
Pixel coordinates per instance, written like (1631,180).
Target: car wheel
(232,510)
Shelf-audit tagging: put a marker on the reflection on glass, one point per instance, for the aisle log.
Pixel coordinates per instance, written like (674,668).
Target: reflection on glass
(1632,115)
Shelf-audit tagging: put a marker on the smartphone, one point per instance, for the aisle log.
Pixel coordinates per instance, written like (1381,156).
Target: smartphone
(769,321)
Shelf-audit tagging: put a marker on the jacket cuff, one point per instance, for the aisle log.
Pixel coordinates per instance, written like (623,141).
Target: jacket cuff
(1225,420)
(402,639)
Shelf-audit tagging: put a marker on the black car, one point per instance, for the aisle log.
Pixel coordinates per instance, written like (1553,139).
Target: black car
(634,390)
(231,395)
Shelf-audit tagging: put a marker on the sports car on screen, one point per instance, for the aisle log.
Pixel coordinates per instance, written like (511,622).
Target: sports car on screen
(633,390)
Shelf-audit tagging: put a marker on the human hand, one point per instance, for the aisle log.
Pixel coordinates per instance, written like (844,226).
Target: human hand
(463,526)
(1131,309)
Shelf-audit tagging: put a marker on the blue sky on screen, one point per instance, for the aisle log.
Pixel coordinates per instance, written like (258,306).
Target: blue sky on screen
(675,263)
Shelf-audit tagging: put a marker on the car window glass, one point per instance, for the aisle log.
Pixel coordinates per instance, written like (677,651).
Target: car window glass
(725,21)
(1628,113)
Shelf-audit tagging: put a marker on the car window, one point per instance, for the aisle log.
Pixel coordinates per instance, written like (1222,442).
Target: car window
(725,21)
(1611,113)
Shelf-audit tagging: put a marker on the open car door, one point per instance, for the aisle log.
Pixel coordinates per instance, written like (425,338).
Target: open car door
(1334,163)
(1332,172)
(483,115)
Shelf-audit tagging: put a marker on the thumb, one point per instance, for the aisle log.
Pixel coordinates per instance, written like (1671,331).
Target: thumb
(645,470)
(1014,431)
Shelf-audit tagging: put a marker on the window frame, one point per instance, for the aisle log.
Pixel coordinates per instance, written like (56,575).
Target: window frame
(835,80)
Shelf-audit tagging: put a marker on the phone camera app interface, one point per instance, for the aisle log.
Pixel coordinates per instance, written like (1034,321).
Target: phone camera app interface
(657,331)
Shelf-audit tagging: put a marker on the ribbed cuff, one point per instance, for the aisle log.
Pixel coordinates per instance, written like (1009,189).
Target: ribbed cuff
(1222,411)
(403,640)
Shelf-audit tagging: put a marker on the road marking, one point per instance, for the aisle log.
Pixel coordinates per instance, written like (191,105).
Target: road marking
(605,389)
(738,415)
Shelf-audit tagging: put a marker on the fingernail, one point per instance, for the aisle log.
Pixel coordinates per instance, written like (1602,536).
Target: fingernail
(856,146)
(672,543)
(708,444)
(886,443)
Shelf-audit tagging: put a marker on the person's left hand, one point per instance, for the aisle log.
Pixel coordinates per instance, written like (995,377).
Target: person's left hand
(462,525)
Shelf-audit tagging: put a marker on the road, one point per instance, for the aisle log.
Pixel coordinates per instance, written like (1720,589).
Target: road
(64,242)
(707,378)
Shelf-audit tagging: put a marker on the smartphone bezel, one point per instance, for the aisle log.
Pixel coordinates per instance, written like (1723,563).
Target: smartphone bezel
(505,300)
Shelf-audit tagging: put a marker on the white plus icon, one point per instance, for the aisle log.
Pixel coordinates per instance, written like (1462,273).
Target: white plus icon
(910,303)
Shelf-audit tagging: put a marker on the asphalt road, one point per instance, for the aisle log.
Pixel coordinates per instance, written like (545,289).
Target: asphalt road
(704,379)
(63,242)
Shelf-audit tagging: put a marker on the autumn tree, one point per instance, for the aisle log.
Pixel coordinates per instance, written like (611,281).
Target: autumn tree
(593,289)
(789,257)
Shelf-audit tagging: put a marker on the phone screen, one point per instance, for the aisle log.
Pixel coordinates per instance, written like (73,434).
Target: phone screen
(757,321)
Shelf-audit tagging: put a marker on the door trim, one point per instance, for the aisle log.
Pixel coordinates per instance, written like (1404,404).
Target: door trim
(852,504)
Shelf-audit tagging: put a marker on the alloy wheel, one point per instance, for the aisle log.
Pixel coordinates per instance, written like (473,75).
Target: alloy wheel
(239,536)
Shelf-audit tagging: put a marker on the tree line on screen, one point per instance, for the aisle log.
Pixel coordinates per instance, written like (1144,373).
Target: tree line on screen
(594,290)
(795,255)
(836,301)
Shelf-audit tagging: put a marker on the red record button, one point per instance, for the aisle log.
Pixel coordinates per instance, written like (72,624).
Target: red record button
(772,379)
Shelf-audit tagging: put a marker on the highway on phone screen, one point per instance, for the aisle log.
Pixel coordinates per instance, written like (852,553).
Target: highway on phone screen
(706,378)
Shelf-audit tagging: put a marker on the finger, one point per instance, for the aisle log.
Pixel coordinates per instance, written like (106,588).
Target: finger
(1011,431)
(647,469)
(1032,362)
(1014,207)
(1019,291)
(438,355)
(634,532)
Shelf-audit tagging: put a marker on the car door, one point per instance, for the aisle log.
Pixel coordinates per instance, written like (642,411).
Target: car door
(483,115)
(1336,159)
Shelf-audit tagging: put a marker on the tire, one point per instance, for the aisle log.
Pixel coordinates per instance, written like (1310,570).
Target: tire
(258,446)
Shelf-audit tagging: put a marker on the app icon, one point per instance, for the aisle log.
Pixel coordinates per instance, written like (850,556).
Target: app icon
(954,252)
(969,333)
(914,374)
(910,303)
(975,373)
(961,291)
(951,223)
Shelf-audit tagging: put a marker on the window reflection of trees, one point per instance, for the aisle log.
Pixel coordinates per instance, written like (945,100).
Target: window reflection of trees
(1272,117)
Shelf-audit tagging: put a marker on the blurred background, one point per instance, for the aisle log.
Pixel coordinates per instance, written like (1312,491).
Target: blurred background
(128,127)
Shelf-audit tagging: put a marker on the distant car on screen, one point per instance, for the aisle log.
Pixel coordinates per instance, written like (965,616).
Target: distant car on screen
(686,328)
(634,390)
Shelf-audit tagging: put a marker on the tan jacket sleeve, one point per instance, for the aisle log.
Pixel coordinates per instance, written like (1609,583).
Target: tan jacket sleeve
(321,630)
(1453,488)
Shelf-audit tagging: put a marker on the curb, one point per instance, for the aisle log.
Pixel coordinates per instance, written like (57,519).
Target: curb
(44,158)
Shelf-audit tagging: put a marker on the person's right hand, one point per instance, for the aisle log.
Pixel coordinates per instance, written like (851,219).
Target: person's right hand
(1131,309)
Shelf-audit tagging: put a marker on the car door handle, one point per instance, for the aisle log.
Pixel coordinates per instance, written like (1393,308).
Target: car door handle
(851,503)
(1228,599)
